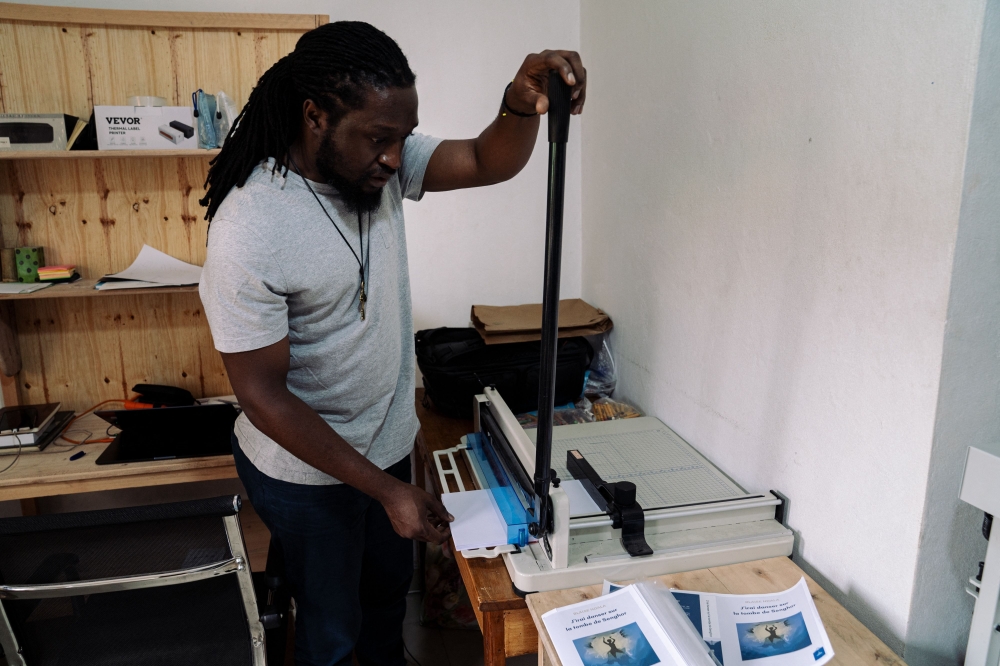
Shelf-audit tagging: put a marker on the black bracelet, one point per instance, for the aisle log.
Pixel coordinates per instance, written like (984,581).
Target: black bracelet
(504,109)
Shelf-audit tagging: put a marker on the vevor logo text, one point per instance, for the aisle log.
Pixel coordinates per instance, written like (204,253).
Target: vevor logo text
(122,121)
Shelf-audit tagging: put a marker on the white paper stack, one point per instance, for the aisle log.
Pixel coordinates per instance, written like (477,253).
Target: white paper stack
(152,268)
(22,287)
(479,523)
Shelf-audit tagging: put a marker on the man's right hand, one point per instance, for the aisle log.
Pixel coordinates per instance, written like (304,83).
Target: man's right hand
(260,380)
(416,514)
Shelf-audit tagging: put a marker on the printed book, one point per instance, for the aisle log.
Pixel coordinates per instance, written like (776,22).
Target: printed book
(780,629)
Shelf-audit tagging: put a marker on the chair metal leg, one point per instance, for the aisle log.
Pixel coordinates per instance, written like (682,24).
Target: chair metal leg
(236,547)
(11,649)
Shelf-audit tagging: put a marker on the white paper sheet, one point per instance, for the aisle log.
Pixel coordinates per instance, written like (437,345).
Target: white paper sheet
(156,267)
(22,287)
(580,502)
(128,284)
(478,523)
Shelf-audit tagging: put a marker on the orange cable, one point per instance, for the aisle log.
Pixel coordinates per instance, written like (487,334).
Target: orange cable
(79,416)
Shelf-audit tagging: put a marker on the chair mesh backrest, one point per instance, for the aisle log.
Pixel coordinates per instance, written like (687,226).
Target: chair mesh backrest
(195,623)
(87,553)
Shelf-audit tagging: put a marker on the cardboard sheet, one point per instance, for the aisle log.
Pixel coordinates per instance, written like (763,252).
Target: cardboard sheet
(523,323)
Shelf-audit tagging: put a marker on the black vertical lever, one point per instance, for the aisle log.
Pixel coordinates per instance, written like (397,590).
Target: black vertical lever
(559,106)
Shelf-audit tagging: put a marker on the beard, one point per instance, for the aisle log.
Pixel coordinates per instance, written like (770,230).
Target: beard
(355,198)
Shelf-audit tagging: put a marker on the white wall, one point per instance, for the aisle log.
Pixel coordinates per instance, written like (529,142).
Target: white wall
(771,195)
(951,544)
(475,246)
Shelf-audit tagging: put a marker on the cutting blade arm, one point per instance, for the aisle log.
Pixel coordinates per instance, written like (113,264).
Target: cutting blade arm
(559,107)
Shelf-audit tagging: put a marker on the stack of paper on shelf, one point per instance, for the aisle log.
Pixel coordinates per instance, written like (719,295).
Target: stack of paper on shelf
(151,269)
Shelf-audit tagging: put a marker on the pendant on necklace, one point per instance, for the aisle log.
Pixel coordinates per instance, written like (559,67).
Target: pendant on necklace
(362,299)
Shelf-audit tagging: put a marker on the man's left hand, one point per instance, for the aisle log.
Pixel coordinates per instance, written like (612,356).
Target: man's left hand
(528,94)
(505,146)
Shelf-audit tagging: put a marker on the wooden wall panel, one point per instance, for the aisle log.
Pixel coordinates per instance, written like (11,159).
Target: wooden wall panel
(83,350)
(97,213)
(43,69)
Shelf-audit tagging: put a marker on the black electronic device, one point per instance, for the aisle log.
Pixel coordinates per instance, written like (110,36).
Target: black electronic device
(162,395)
(20,131)
(164,433)
(186,130)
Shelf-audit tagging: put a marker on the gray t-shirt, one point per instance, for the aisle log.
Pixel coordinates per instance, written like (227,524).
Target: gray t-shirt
(276,266)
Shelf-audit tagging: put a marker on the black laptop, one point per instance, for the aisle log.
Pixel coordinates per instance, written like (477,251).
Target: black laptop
(165,433)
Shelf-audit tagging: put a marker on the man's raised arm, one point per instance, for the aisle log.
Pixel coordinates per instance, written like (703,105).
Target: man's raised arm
(503,148)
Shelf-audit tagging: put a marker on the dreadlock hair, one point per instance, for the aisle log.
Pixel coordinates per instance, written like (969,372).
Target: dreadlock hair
(332,65)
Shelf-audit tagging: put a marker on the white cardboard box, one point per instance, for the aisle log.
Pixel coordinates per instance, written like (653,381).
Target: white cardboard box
(145,127)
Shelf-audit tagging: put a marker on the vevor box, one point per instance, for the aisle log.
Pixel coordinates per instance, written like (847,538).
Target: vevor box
(144,127)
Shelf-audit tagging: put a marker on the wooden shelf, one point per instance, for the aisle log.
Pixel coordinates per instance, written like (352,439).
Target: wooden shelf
(160,19)
(102,154)
(85,288)
(69,343)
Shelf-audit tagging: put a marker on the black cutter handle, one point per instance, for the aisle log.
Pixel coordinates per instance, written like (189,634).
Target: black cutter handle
(559,107)
(560,102)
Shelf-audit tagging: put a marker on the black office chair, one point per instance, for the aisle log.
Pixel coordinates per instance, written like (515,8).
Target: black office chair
(146,586)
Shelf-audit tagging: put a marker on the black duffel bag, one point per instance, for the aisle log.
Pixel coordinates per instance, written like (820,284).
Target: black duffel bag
(456,364)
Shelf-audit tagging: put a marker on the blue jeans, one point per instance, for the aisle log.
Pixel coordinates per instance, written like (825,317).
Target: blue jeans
(346,567)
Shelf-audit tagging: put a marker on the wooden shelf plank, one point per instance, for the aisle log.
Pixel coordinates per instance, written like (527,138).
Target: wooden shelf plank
(85,288)
(158,19)
(102,154)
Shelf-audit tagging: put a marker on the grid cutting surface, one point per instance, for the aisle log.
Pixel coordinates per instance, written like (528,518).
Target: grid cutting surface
(665,469)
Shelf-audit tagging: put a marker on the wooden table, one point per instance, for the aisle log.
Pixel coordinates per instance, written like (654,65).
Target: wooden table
(508,630)
(853,643)
(51,472)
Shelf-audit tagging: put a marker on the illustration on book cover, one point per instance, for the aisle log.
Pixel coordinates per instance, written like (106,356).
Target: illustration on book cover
(624,646)
(767,639)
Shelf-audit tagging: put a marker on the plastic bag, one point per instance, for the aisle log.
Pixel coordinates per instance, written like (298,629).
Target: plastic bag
(602,377)
(225,116)
(204,117)
(446,602)
(606,409)
(565,415)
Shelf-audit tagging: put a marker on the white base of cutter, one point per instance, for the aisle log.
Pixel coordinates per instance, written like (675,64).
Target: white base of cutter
(710,520)
(593,560)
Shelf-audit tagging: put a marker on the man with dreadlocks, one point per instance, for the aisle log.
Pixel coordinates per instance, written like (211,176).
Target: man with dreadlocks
(306,289)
